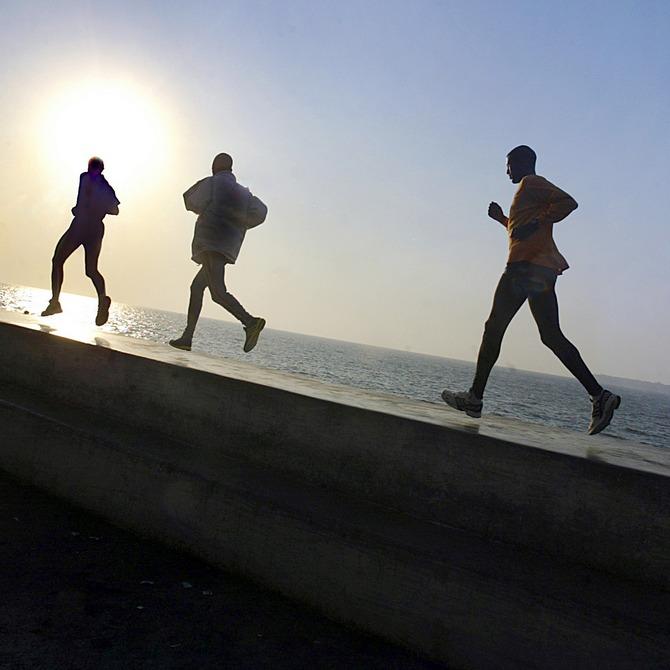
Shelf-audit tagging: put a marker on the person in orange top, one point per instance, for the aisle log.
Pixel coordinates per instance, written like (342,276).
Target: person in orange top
(533,264)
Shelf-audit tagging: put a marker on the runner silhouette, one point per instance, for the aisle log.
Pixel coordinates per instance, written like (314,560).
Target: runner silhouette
(95,199)
(533,266)
(226,210)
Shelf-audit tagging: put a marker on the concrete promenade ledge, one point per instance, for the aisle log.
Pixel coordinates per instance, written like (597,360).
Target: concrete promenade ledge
(490,544)
(79,593)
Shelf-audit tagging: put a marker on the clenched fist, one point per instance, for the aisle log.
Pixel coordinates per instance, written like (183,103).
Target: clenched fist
(496,213)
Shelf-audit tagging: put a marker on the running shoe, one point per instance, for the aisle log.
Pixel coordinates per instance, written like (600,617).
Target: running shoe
(103,311)
(182,343)
(464,401)
(52,308)
(252,331)
(603,410)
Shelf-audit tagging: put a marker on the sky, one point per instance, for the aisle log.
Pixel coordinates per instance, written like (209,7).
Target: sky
(376,132)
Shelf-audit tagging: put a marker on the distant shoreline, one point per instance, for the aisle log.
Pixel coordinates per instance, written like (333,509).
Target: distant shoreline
(637,384)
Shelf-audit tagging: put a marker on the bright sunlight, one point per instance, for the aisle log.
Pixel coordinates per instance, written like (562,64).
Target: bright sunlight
(115,120)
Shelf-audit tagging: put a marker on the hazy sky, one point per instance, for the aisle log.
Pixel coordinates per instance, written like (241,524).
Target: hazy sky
(376,132)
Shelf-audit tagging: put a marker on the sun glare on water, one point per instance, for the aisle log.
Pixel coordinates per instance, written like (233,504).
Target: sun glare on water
(115,120)
(76,321)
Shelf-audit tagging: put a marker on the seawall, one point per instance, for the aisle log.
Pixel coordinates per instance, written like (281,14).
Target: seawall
(490,544)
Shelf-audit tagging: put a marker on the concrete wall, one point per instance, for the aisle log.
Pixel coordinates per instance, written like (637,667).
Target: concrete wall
(483,545)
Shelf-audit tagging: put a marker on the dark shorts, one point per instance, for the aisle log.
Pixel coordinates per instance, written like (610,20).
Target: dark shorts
(88,234)
(529,279)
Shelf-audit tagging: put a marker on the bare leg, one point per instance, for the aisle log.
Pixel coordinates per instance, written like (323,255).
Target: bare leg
(92,250)
(215,265)
(507,301)
(66,246)
(544,307)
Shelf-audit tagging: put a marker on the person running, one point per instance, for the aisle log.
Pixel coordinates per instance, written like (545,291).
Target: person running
(533,266)
(95,199)
(226,210)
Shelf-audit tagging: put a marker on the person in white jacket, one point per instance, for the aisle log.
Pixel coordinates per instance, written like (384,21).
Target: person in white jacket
(225,211)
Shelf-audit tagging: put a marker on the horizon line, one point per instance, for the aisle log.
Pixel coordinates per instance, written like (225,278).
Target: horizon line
(362,344)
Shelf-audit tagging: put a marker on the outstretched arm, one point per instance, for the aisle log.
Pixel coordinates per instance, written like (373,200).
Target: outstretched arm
(497,214)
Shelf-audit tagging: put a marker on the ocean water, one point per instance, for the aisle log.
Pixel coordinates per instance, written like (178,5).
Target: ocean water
(548,400)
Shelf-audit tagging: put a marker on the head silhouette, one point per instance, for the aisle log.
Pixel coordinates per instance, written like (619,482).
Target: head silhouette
(520,162)
(95,165)
(221,163)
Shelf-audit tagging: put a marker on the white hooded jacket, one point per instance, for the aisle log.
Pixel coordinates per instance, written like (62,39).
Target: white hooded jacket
(225,211)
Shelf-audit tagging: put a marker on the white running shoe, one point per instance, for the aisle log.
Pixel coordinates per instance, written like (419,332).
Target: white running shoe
(464,401)
(603,410)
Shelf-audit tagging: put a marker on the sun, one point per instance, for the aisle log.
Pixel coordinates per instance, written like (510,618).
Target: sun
(114,119)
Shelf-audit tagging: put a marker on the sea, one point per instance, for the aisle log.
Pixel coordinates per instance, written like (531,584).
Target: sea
(533,397)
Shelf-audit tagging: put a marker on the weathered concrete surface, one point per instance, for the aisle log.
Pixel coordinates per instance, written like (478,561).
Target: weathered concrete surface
(597,500)
(81,594)
(493,545)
